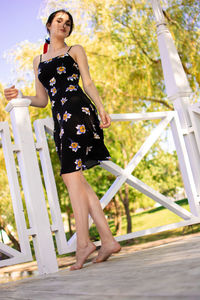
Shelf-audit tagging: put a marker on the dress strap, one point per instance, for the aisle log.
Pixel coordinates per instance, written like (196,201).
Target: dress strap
(40,57)
(69,49)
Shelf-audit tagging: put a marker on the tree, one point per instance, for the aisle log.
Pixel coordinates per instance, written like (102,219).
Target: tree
(120,40)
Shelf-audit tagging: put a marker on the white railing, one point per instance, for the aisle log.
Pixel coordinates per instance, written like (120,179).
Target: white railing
(25,253)
(122,175)
(178,91)
(184,122)
(40,228)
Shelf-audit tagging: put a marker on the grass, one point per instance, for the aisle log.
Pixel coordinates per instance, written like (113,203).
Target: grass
(155,217)
(148,219)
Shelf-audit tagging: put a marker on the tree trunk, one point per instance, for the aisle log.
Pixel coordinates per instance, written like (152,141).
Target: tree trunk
(118,215)
(14,241)
(125,201)
(69,222)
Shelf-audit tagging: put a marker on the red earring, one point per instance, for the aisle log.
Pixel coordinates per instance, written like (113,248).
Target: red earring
(45,48)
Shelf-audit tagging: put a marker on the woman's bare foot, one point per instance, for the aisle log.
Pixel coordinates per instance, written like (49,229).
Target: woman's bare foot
(81,256)
(106,251)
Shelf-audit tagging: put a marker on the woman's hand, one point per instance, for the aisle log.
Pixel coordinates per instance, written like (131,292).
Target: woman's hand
(105,119)
(11,93)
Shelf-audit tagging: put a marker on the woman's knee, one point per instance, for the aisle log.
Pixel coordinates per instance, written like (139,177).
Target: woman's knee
(72,178)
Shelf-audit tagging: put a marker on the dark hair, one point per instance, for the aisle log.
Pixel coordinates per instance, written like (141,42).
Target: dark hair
(52,16)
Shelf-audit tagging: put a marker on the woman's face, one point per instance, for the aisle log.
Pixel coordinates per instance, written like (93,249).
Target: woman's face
(60,25)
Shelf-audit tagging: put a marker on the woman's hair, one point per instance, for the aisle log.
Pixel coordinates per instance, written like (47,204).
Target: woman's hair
(52,16)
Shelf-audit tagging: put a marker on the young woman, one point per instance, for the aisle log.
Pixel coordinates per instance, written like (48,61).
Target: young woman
(78,134)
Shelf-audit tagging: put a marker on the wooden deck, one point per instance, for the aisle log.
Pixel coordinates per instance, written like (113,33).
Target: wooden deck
(169,271)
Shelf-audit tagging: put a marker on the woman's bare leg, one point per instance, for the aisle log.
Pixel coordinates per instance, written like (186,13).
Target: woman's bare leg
(85,201)
(80,206)
(109,244)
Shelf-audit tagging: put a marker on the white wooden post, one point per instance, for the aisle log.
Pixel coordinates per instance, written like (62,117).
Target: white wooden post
(179,91)
(32,186)
(24,254)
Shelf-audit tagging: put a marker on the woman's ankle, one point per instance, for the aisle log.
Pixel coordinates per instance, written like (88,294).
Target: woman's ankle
(108,241)
(83,245)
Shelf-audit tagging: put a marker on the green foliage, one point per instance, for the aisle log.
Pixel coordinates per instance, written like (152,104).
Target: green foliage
(120,40)
(150,218)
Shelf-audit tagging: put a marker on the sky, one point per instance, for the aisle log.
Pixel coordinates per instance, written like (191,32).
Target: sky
(18,22)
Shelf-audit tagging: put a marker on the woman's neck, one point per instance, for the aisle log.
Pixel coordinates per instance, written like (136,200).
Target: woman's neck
(56,46)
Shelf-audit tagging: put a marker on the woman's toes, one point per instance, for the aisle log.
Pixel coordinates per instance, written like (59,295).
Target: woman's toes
(75,267)
(81,256)
(106,251)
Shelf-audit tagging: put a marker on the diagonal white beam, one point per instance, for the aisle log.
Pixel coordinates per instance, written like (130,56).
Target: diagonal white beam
(158,197)
(147,190)
(156,132)
(8,251)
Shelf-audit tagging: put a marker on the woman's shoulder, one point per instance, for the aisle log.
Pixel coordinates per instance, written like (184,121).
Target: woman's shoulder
(77,47)
(36,62)
(37,58)
(77,51)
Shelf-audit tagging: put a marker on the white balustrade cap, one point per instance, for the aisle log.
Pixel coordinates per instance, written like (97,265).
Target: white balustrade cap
(18,102)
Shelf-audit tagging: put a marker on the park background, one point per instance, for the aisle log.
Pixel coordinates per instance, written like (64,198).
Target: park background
(120,40)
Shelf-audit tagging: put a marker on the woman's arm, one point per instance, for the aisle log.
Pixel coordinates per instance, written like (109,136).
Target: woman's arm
(41,97)
(88,84)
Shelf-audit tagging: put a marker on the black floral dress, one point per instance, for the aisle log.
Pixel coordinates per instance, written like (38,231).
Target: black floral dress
(77,135)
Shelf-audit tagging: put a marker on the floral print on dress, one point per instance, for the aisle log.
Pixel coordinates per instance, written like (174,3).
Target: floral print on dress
(74,146)
(52,81)
(108,157)
(71,88)
(88,149)
(96,136)
(63,100)
(86,110)
(73,77)
(61,70)
(78,163)
(66,116)
(81,129)
(62,55)
(58,117)
(48,61)
(76,66)
(77,135)
(53,91)
(61,132)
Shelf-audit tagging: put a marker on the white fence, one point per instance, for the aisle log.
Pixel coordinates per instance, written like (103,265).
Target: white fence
(40,228)
(184,122)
